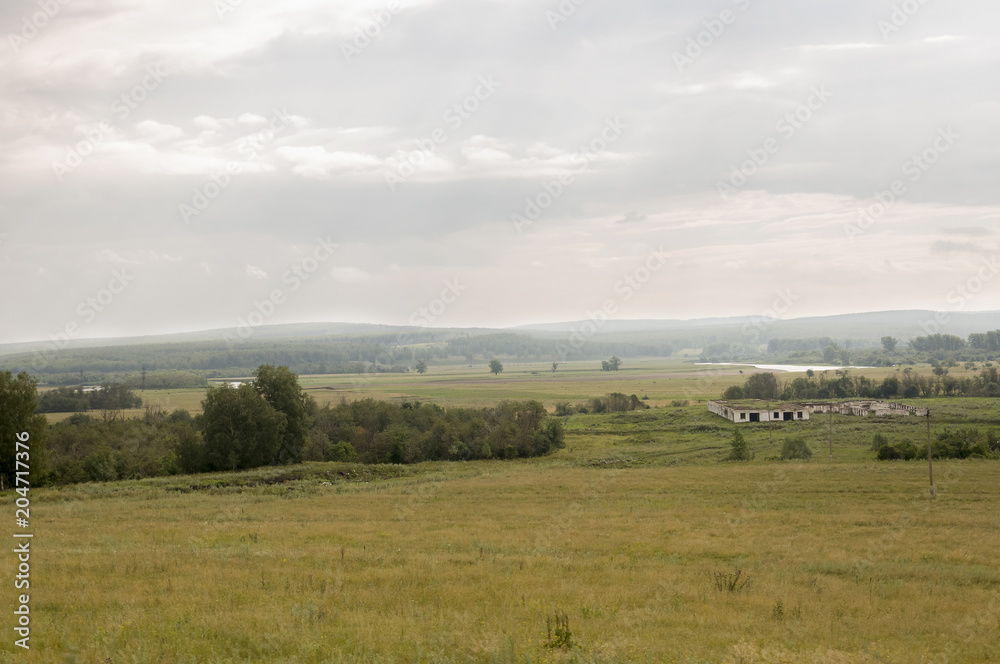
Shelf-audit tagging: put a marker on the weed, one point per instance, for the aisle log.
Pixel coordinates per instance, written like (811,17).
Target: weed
(730,581)
(559,633)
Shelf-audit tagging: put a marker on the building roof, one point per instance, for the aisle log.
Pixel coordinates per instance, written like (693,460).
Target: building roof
(760,404)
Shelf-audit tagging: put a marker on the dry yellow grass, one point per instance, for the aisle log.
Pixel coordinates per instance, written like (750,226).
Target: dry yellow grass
(464,563)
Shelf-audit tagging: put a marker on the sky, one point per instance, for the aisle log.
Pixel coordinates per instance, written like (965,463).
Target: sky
(200,164)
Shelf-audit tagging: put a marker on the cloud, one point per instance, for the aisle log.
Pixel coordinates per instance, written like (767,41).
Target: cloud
(346,125)
(946,247)
(316,162)
(349,275)
(255,272)
(631,217)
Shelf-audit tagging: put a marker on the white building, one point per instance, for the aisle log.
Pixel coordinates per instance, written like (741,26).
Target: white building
(762,411)
(759,411)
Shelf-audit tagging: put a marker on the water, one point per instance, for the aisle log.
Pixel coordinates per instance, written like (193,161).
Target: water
(782,367)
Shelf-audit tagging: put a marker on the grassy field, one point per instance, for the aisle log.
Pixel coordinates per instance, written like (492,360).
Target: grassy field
(629,532)
(662,380)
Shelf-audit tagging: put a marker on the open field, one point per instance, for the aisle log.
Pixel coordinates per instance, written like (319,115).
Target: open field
(662,380)
(624,530)
(464,562)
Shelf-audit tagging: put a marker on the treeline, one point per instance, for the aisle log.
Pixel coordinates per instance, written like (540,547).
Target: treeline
(189,364)
(111,398)
(843,384)
(616,402)
(962,443)
(980,341)
(271,421)
(382,432)
(565,346)
(978,347)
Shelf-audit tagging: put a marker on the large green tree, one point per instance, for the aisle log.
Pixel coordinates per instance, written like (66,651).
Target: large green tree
(240,429)
(18,400)
(761,386)
(279,387)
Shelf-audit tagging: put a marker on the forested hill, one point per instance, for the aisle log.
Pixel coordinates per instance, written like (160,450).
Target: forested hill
(354,348)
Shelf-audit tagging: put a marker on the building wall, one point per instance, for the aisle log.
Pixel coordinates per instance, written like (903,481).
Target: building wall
(860,408)
(745,415)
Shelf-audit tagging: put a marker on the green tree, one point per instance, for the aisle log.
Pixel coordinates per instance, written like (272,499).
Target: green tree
(889,344)
(555,365)
(495,366)
(733,393)
(740,447)
(279,387)
(421,366)
(18,400)
(761,386)
(240,429)
(614,363)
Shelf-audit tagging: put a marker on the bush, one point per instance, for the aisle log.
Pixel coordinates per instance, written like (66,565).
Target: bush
(878,442)
(889,453)
(904,451)
(796,448)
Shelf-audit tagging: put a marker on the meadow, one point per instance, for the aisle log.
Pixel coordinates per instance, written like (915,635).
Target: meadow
(635,532)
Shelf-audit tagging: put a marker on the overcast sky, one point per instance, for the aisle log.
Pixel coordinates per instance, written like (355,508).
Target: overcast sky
(492,162)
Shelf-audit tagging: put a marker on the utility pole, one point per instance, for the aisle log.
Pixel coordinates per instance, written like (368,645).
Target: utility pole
(930,464)
(770,427)
(831,432)
(143,376)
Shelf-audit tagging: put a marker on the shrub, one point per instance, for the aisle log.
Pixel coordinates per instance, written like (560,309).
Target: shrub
(878,441)
(796,448)
(740,447)
(888,453)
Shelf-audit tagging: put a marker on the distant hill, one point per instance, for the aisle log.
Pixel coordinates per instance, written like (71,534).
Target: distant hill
(286,331)
(648,325)
(903,325)
(356,347)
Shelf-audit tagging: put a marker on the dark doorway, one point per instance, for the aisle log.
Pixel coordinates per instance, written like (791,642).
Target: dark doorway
(786,416)
(755,417)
